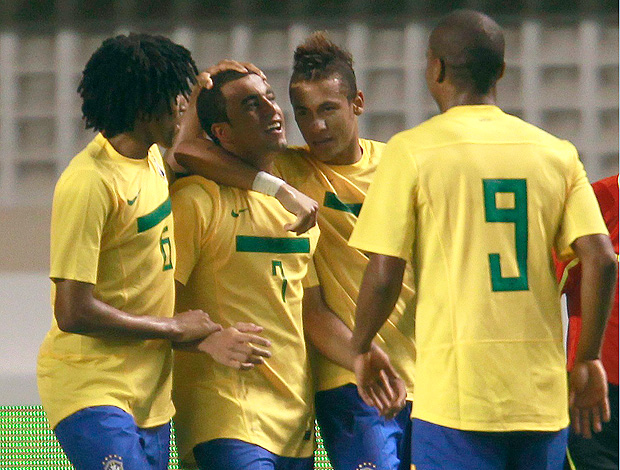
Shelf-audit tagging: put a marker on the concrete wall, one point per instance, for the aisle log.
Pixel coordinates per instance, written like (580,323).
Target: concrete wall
(25,312)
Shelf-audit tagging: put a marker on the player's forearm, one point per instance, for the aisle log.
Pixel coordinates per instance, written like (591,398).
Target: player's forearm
(203,157)
(598,284)
(329,335)
(100,319)
(379,292)
(78,311)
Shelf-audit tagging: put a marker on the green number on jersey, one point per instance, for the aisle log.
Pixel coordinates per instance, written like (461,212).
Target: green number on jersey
(516,215)
(275,264)
(166,249)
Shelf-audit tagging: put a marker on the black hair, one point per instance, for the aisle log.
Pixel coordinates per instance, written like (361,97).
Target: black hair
(133,77)
(471,47)
(318,58)
(211,104)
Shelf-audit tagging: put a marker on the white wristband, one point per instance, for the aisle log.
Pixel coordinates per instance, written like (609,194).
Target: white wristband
(266,183)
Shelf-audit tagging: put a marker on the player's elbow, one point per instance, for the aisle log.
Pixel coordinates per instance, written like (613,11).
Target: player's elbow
(69,319)
(68,323)
(596,254)
(608,266)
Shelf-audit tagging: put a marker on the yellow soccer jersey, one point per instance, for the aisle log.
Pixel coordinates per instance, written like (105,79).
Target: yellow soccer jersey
(111,227)
(477,199)
(237,263)
(341,189)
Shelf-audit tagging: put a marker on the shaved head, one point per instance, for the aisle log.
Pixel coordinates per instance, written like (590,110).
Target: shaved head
(471,47)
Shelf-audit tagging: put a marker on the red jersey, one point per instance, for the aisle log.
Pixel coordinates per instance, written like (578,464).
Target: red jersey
(606,191)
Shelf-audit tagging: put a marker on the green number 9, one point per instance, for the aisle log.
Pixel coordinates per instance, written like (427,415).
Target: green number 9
(516,215)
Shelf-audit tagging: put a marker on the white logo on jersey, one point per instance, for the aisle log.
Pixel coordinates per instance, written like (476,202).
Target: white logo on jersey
(113,462)
(367,466)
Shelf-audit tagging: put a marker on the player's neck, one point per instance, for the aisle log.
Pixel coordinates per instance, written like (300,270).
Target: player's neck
(350,155)
(466,98)
(130,145)
(262,161)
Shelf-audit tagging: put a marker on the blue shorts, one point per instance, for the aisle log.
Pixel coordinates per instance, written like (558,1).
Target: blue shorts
(437,447)
(104,437)
(355,436)
(233,454)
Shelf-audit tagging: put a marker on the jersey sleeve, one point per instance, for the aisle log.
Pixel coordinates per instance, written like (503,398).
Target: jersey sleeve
(81,205)
(582,215)
(386,222)
(192,209)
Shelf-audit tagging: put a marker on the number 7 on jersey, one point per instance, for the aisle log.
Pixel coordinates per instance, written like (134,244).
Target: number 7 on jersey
(516,215)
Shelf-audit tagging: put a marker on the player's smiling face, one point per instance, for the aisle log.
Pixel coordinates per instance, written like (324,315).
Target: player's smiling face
(327,119)
(256,122)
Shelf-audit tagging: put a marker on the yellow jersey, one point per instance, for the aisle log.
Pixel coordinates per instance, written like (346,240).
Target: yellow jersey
(111,227)
(341,189)
(476,200)
(238,264)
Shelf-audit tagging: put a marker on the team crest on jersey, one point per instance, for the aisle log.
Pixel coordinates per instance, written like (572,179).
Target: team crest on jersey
(113,462)
(367,466)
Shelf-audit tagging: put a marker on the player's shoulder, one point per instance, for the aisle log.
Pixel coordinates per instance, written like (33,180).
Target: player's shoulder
(194,186)
(88,168)
(374,148)
(293,163)
(535,134)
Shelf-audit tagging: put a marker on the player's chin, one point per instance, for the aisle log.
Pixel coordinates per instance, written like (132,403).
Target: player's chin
(167,140)
(278,143)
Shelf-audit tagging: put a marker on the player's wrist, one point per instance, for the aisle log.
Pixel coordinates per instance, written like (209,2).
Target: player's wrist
(266,183)
(360,347)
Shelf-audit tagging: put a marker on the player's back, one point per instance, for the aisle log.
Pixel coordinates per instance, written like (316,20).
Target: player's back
(491,196)
(490,201)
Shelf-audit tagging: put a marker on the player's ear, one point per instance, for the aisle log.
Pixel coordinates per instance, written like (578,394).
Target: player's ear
(501,72)
(358,103)
(442,71)
(221,131)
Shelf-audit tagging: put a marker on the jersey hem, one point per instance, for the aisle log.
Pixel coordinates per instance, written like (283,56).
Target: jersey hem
(74,408)
(277,450)
(533,425)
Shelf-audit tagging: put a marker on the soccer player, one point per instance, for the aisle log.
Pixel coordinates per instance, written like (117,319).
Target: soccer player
(335,169)
(104,368)
(476,200)
(237,261)
(601,451)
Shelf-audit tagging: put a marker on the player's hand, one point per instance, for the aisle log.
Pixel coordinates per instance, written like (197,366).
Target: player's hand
(204,77)
(588,399)
(306,209)
(192,325)
(238,347)
(378,383)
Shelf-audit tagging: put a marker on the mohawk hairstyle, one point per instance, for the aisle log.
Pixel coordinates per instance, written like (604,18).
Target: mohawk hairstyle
(318,58)
(133,77)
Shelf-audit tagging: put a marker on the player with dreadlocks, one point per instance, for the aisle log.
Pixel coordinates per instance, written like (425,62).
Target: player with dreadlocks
(104,368)
(335,168)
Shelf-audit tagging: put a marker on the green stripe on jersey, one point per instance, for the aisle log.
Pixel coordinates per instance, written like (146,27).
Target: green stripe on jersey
(333,202)
(272,245)
(151,219)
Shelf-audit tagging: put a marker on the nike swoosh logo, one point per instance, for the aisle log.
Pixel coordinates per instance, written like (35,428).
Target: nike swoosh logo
(131,201)
(236,213)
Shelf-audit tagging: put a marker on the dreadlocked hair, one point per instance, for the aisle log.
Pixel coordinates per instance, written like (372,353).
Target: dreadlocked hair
(318,58)
(133,77)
